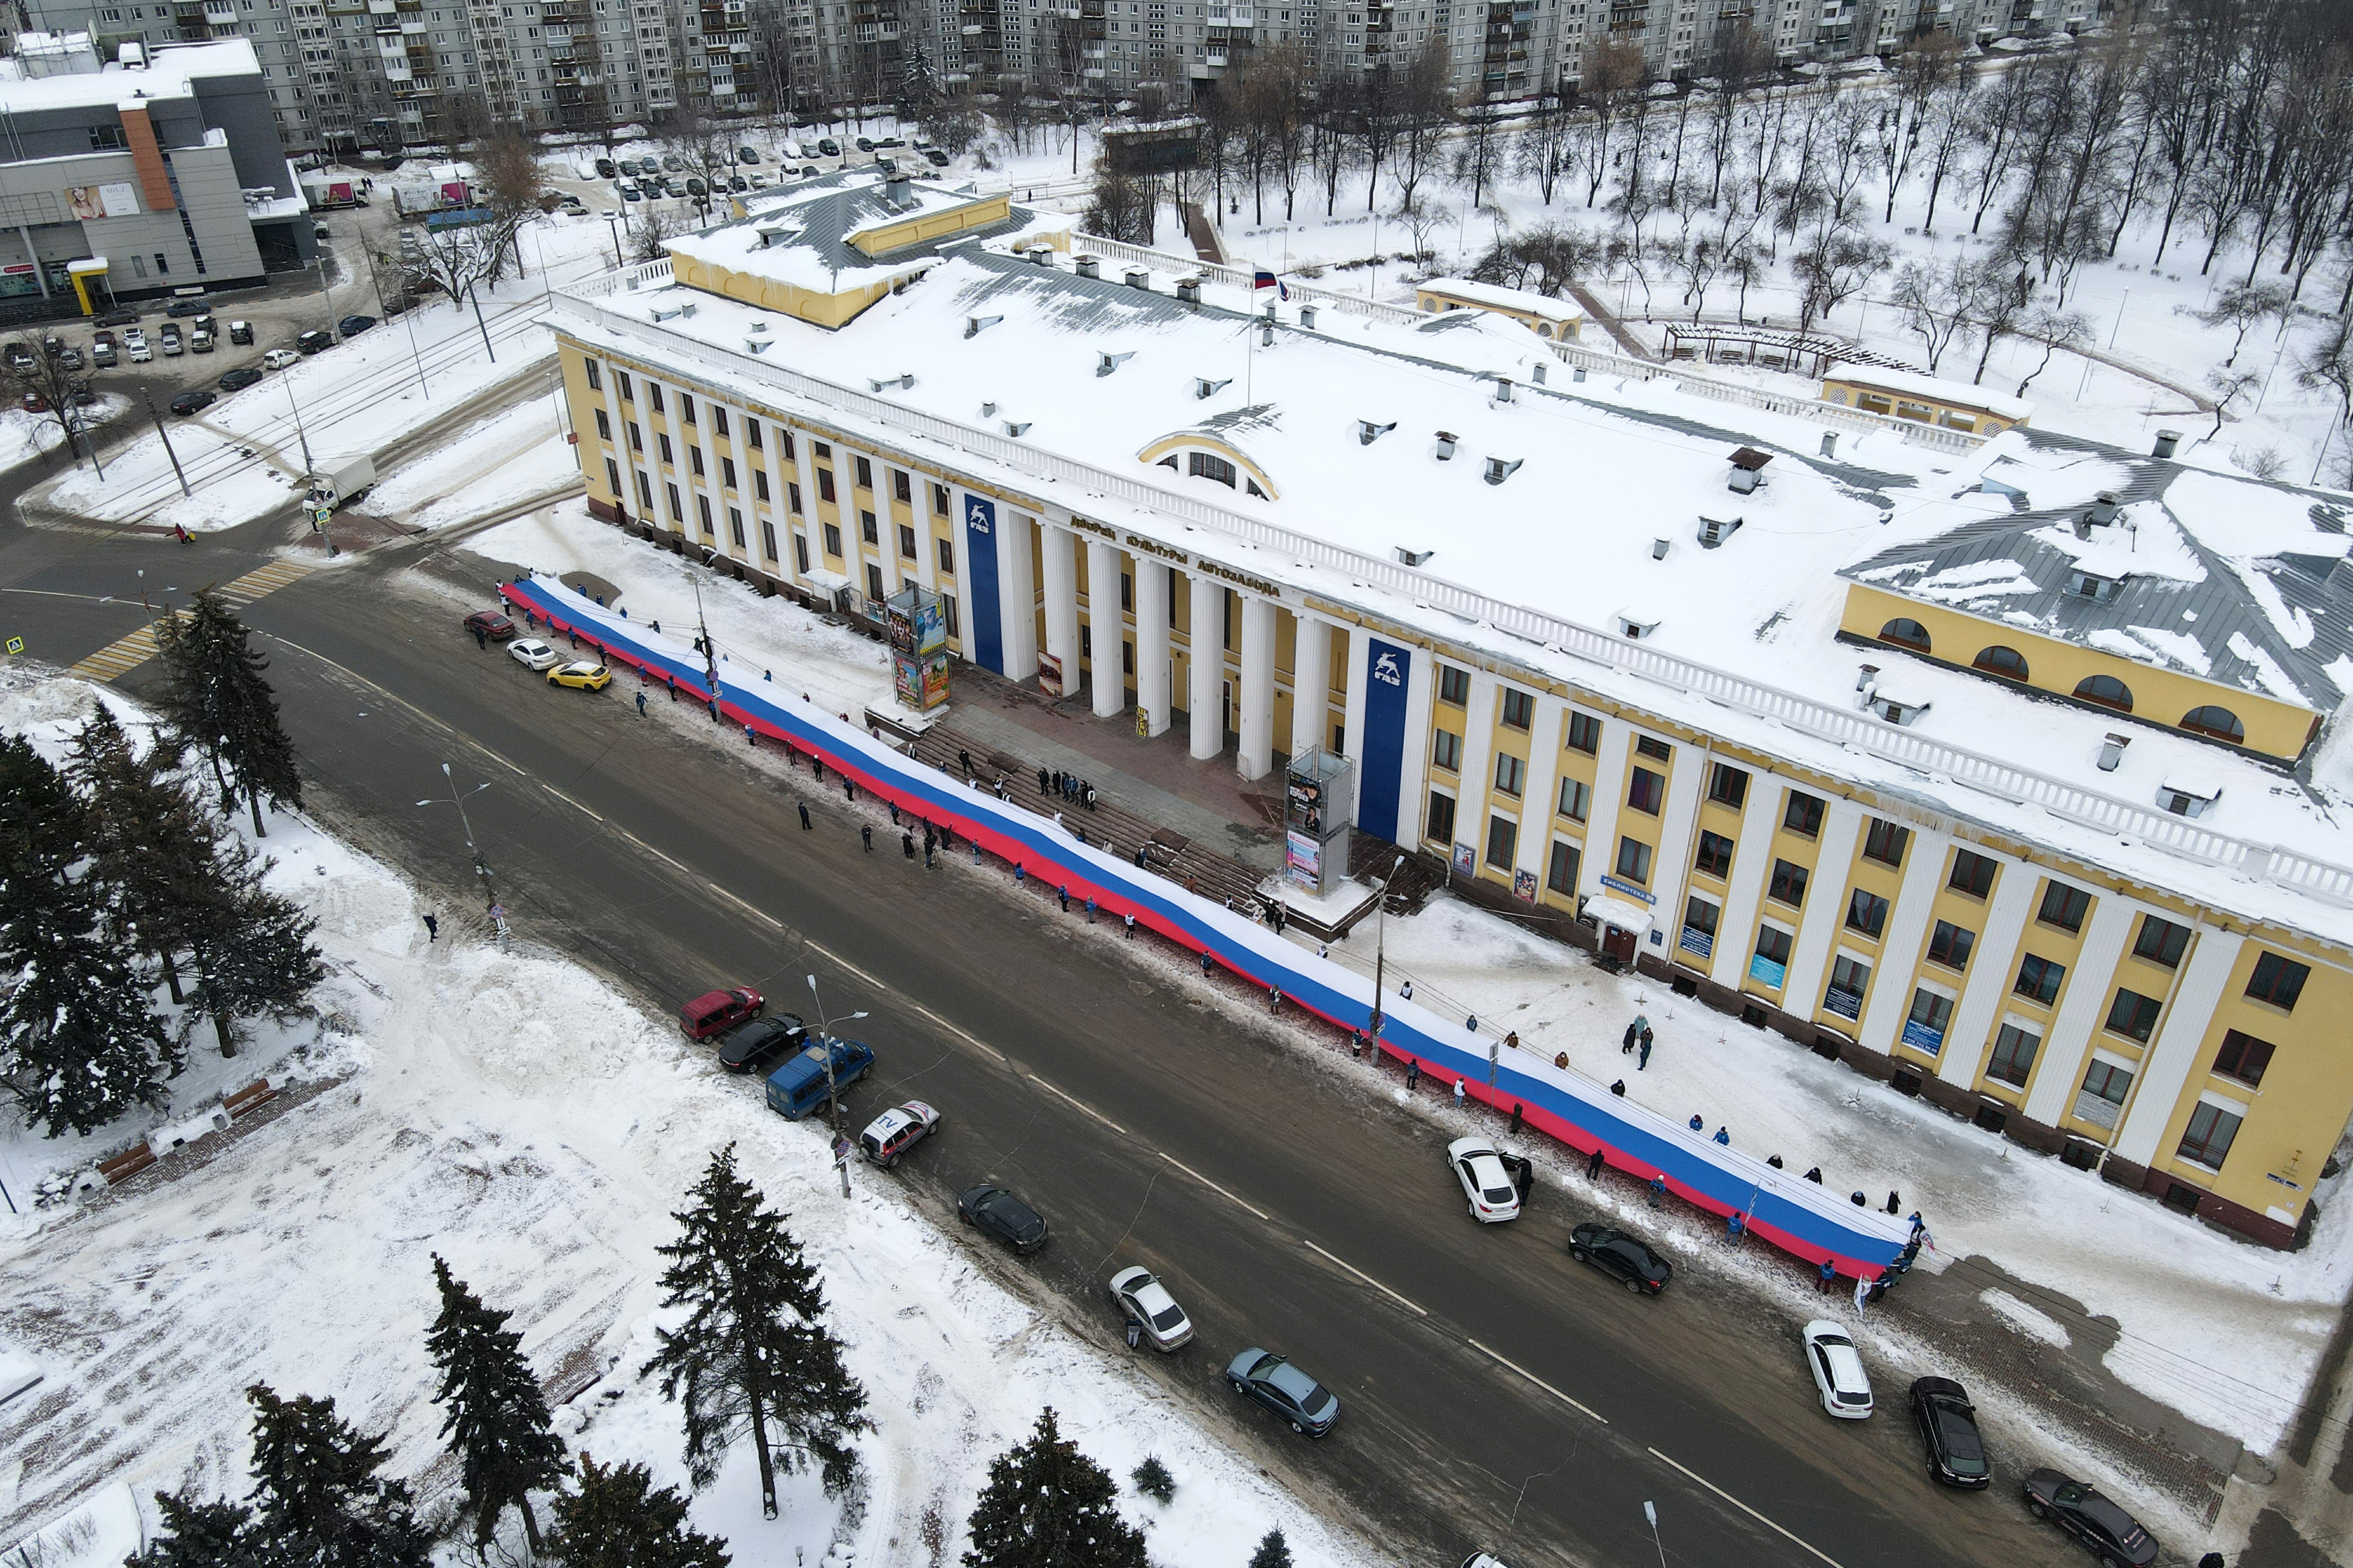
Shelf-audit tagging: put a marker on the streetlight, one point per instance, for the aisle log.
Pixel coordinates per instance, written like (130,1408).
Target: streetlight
(482,867)
(1380,937)
(832,1095)
(613,222)
(1651,1513)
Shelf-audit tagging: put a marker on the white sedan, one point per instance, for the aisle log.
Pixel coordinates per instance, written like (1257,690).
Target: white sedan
(1478,1166)
(532,654)
(1838,1372)
(1147,1301)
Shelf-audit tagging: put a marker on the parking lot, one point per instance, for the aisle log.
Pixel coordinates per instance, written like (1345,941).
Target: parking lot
(603,196)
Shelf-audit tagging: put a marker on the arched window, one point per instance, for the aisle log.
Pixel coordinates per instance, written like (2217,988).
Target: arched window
(1210,466)
(2219,723)
(2006,662)
(2106,690)
(1906,633)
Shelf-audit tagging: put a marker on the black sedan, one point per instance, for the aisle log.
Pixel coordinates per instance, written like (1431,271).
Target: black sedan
(1948,1425)
(1002,1216)
(353,326)
(240,378)
(1622,1256)
(761,1040)
(185,308)
(189,401)
(2103,1529)
(315,342)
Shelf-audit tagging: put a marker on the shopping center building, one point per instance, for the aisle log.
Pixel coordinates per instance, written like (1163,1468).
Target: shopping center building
(2001,769)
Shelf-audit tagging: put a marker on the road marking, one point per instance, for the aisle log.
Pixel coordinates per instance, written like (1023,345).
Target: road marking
(1078,1104)
(756,913)
(120,657)
(1540,1382)
(1400,1300)
(1217,1189)
(1746,1509)
(567,799)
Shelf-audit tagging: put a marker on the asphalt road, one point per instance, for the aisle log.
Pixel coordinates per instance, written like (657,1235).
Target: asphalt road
(1496,1395)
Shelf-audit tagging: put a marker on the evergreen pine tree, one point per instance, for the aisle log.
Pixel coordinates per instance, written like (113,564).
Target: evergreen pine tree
(152,842)
(252,950)
(79,1040)
(754,1352)
(318,1500)
(214,699)
(619,1519)
(1273,1552)
(198,1535)
(1048,1506)
(497,1424)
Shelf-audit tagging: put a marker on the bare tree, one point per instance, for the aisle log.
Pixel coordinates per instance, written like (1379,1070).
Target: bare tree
(38,376)
(1545,149)
(1928,295)
(1833,270)
(2329,362)
(2243,307)
(2053,331)
(1611,86)
(2228,387)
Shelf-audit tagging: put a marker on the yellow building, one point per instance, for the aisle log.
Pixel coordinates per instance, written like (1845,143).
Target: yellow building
(1558,319)
(1924,399)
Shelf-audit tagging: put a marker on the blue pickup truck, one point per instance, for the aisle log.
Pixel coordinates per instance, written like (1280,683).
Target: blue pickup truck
(798,1087)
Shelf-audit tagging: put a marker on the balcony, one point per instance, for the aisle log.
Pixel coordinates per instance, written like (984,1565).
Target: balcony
(220,16)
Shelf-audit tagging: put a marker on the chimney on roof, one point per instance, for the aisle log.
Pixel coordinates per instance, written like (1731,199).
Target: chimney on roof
(976,325)
(1139,278)
(2167,441)
(1539,374)
(1189,291)
(2103,510)
(1041,256)
(1088,266)
(1499,469)
(1203,387)
(1368,432)
(1503,389)
(1106,363)
(1307,318)
(1829,443)
(1446,446)
(1266,332)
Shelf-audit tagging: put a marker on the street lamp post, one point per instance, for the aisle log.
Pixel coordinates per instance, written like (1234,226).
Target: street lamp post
(613,222)
(832,1091)
(482,867)
(1380,937)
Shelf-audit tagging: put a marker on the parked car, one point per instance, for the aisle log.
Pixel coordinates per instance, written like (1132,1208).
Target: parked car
(82,397)
(1494,1196)
(136,347)
(1948,1425)
(192,400)
(71,359)
(757,1042)
(353,326)
(174,341)
(34,403)
(1837,1366)
(315,341)
(789,151)
(532,654)
(189,308)
(2111,1534)
(889,1136)
(321,231)
(1147,1302)
(240,378)
(1622,1256)
(605,169)
(200,342)
(490,624)
(712,1011)
(888,142)
(581,675)
(696,188)
(1275,1382)
(826,147)
(674,163)
(819,1072)
(20,357)
(937,158)
(738,183)
(279,359)
(1002,1216)
(242,332)
(865,144)
(746,155)
(630,193)
(102,350)
(626,167)
(125,318)
(810,171)
(759,182)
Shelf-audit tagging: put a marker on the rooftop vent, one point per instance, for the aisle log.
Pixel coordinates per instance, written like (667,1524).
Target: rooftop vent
(2188,795)
(1018,427)
(1498,470)
(1537,374)
(1413,557)
(1368,432)
(901,382)
(1898,708)
(1266,334)
(1204,387)
(1106,363)
(1088,266)
(757,346)
(777,234)
(664,312)
(1715,530)
(1659,548)
(1503,389)
(1139,278)
(1446,446)
(1189,291)
(1307,318)
(988,411)
(1634,625)
(1041,256)
(1829,443)
(976,325)
(2092,586)
(2112,752)
(2167,442)
(1747,468)
(2103,510)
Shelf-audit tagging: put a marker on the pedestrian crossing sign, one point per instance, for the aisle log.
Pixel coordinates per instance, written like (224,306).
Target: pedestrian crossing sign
(16,645)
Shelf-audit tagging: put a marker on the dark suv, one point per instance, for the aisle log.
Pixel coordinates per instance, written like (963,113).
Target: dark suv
(1004,1216)
(1621,1257)
(760,1041)
(1948,1425)
(2103,1529)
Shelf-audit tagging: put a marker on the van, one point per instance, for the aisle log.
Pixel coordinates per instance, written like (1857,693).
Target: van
(799,1086)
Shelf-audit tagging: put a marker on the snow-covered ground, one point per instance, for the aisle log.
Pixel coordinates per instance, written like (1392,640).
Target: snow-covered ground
(24,435)
(507,457)
(525,1119)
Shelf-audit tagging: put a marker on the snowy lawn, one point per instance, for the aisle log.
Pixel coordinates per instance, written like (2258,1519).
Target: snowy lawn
(524,1118)
(24,436)
(505,459)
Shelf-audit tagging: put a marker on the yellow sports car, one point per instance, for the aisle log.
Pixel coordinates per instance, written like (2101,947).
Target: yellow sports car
(582,673)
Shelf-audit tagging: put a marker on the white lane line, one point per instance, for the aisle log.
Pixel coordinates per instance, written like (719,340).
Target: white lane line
(1540,1382)
(1078,1104)
(756,913)
(966,1035)
(1746,1509)
(1213,1186)
(568,800)
(1417,1308)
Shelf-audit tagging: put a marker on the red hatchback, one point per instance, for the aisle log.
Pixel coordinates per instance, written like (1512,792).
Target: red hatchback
(490,624)
(707,1014)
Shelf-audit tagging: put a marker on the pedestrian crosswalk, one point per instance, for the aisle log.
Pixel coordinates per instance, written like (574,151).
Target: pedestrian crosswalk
(120,658)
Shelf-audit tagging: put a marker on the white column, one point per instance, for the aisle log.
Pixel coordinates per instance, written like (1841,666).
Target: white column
(1254,696)
(1016,592)
(1062,592)
(1992,968)
(1310,684)
(1752,861)
(1104,625)
(2052,1088)
(1541,803)
(1899,949)
(1825,911)
(1207,665)
(1478,756)
(1678,838)
(1352,706)
(1152,692)
(2180,1043)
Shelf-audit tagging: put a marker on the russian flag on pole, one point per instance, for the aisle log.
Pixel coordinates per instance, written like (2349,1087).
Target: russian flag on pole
(1282,292)
(1264,280)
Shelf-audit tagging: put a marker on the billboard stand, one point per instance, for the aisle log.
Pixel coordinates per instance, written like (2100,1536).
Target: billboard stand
(919,648)
(1318,806)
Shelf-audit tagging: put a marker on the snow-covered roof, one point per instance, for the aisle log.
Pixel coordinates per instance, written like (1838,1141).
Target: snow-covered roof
(1934,387)
(170,71)
(2230,579)
(808,233)
(1522,300)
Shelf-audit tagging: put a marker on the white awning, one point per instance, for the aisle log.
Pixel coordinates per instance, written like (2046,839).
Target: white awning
(1623,913)
(827,582)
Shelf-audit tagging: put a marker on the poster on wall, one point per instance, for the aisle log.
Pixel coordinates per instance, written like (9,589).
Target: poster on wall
(1466,860)
(936,679)
(1302,858)
(1050,674)
(118,198)
(1523,884)
(907,680)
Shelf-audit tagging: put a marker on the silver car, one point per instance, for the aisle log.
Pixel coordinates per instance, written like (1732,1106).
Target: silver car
(534,654)
(1147,1301)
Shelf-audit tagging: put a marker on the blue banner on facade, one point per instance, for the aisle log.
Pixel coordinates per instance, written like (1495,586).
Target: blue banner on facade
(1698,942)
(1920,1036)
(1387,671)
(1766,972)
(1844,1002)
(980,555)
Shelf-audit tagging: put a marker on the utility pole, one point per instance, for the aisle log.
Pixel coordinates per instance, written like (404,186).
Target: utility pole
(482,867)
(1380,937)
(826,1043)
(474,295)
(710,657)
(166,435)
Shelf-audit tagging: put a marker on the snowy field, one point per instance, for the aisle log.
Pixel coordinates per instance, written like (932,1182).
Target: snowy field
(24,436)
(297,1253)
(510,456)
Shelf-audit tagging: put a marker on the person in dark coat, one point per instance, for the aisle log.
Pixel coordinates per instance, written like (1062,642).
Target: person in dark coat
(1645,1062)
(1618,1089)
(1627,1049)
(1518,1111)
(963,758)
(1041,781)
(866,837)
(432,927)
(1894,1204)
(1593,1162)
(1774,1161)
(1658,1190)
(805,821)
(907,844)
(1063,893)
(1815,1175)
(1412,1074)
(1859,1201)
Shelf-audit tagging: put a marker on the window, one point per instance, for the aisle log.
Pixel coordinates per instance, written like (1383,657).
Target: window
(2063,906)
(1789,884)
(2106,1081)
(1202,465)
(1906,633)
(727,473)
(800,554)
(760,483)
(793,496)
(1519,709)
(629,392)
(2207,1140)
(1866,912)
(595,374)
(694,459)
(752,432)
(1773,946)
(1453,685)
(906,543)
(1576,799)
(2006,662)
(1633,859)
(947,556)
(1884,842)
(767,540)
(653,390)
(1700,916)
(637,439)
(1727,785)
(948,614)
(1804,814)
(604,426)
(865,473)
(866,531)
(1562,878)
(1850,978)
(2132,1014)
(1972,874)
(1949,945)
(939,501)
(703,509)
(735,526)
(1930,1015)
(1647,791)
(1441,818)
(1656,750)
(832,540)
(2106,690)
(2219,723)
(874,582)
(686,407)
(613,478)
(1510,774)
(825,484)
(1502,838)
(2278,981)
(2014,1054)
(2039,978)
(661,444)
(1715,855)
(786,437)
(644,490)
(1446,750)
(1583,733)
(901,487)
(718,420)
(2161,941)
(2242,1056)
